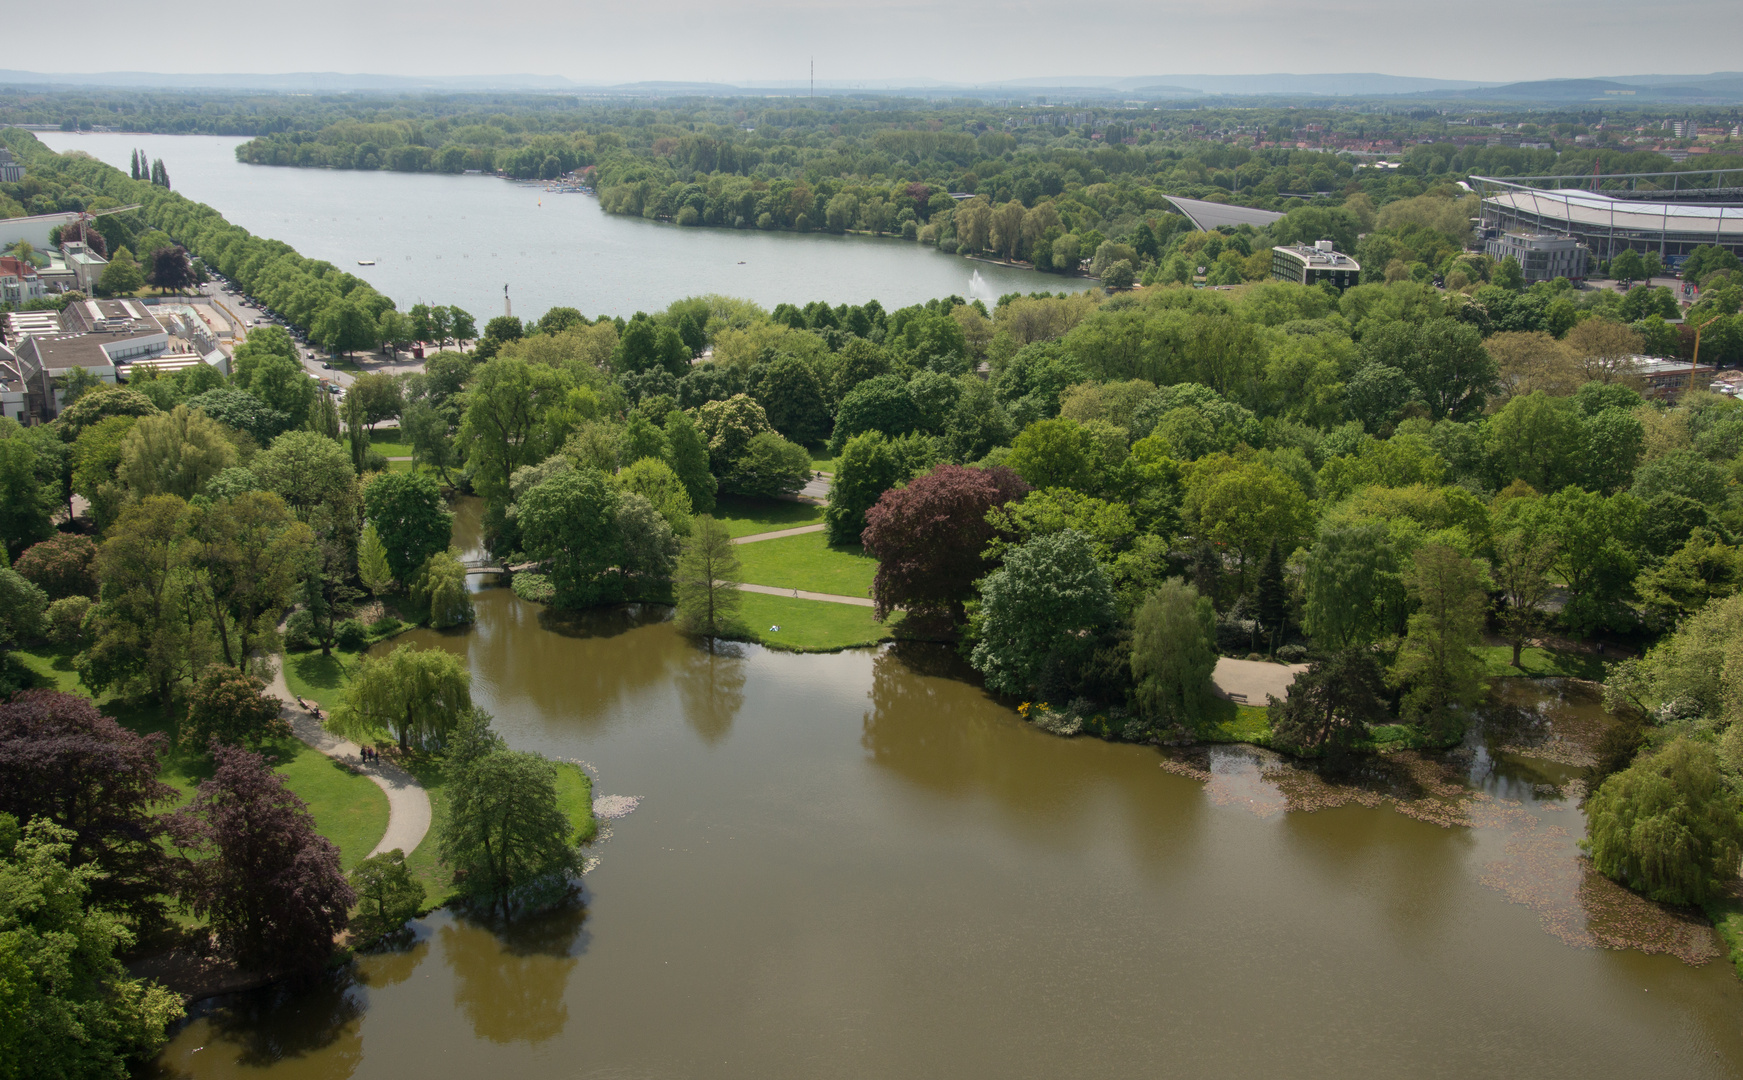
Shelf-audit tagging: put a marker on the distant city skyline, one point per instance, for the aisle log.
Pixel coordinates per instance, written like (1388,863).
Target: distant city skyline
(767,42)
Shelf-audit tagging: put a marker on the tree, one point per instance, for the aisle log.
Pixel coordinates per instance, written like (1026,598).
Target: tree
(101,404)
(928,538)
(379,395)
(357,434)
(870,464)
(1118,275)
(233,708)
(646,545)
(26,505)
(879,403)
(174,453)
(688,457)
(705,583)
(1668,826)
(266,881)
(308,471)
(241,410)
(441,588)
(1174,654)
(62,566)
(1048,600)
(63,761)
(1245,507)
(654,480)
(1330,705)
(1272,595)
(416,694)
(171,269)
(148,629)
(768,466)
(1703,569)
(1056,453)
(431,437)
(254,554)
(1525,550)
(387,896)
(1436,663)
(373,568)
(504,425)
(792,395)
(570,521)
(1443,358)
(122,277)
(506,831)
(344,328)
(409,518)
(67,1005)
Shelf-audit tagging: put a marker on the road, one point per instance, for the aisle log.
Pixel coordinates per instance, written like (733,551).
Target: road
(313,357)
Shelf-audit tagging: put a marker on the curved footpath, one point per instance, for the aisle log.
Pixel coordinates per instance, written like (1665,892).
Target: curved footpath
(408,804)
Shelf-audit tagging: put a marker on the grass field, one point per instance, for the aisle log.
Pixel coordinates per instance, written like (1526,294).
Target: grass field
(821,461)
(809,625)
(1541,663)
(747,517)
(1239,724)
(387,442)
(348,808)
(808,562)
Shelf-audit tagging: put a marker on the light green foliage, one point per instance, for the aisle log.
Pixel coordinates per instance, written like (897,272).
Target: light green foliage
(1049,595)
(768,466)
(1696,672)
(1108,526)
(408,515)
(1057,454)
(67,1006)
(387,896)
(871,464)
(440,587)
(570,521)
(504,427)
(307,471)
(1245,506)
(1703,569)
(506,836)
(1174,654)
(1436,665)
(174,453)
(688,458)
(372,565)
(416,694)
(1399,461)
(1668,826)
(654,480)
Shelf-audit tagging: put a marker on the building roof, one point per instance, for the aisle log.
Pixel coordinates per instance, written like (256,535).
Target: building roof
(1319,258)
(82,335)
(1596,210)
(1210,215)
(11,372)
(18,268)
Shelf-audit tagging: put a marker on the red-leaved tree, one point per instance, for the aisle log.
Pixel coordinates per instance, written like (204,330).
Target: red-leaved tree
(61,566)
(928,538)
(269,884)
(63,760)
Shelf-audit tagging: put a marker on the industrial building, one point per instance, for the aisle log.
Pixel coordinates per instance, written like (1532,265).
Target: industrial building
(1311,265)
(1665,214)
(1542,257)
(104,337)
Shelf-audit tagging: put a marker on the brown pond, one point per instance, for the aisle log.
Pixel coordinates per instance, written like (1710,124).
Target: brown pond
(861,865)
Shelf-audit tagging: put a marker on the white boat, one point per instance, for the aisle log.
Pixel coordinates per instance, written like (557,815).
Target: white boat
(365,262)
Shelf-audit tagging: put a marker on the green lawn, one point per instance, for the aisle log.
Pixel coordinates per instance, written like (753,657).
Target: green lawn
(821,461)
(319,678)
(808,562)
(348,808)
(747,517)
(1239,724)
(385,441)
(809,625)
(1541,663)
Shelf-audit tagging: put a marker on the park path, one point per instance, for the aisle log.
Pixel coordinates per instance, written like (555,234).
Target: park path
(778,533)
(1253,682)
(801,594)
(408,804)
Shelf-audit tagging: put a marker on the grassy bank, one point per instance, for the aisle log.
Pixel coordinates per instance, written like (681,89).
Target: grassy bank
(809,625)
(747,517)
(1537,663)
(808,562)
(348,808)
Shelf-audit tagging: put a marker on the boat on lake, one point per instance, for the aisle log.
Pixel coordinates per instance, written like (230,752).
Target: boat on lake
(365,262)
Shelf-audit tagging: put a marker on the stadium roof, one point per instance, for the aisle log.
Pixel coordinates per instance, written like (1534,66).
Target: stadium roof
(1212,215)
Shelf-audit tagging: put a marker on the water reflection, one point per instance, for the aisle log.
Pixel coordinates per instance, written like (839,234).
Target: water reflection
(711,687)
(276,1027)
(510,976)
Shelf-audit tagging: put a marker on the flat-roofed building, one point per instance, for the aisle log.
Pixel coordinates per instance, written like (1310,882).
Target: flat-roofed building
(1663,377)
(14,392)
(100,336)
(1312,264)
(1542,256)
(86,265)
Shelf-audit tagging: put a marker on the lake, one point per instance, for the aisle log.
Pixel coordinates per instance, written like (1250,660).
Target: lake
(862,865)
(458,240)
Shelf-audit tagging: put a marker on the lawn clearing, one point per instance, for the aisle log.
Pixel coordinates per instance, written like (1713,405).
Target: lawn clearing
(821,459)
(809,625)
(747,517)
(809,563)
(1538,663)
(1244,724)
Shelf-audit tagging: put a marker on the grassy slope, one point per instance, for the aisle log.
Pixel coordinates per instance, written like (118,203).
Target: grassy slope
(746,517)
(809,625)
(808,562)
(349,809)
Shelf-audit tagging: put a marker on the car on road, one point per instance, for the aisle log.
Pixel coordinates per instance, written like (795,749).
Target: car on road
(326,367)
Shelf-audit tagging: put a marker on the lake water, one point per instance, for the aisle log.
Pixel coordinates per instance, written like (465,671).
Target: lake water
(457,240)
(861,865)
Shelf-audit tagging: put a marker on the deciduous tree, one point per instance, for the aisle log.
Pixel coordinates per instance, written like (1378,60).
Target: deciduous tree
(1331,705)
(706,580)
(410,519)
(1174,654)
(233,708)
(1668,826)
(1050,599)
(928,538)
(416,694)
(506,831)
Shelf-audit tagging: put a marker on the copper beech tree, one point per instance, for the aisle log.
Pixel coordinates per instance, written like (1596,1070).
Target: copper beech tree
(928,538)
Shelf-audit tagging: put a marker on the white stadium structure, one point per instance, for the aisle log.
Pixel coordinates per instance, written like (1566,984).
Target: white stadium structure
(1667,214)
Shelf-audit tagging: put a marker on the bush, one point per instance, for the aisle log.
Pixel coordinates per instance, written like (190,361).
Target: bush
(534,588)
(1292,654)
(384,626)
(374,461)
(351,635)
(66,620)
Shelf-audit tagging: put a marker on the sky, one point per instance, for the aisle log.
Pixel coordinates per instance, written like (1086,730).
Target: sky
(965,41)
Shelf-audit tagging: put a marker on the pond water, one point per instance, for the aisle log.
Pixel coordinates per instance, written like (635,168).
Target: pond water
(458,240)
(862,865)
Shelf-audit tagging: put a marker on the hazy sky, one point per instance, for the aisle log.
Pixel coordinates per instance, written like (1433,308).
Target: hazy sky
(966,41)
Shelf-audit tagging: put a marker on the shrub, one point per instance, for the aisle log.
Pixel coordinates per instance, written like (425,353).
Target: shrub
(534,588)
(299,631)
(351,635)
(66,620)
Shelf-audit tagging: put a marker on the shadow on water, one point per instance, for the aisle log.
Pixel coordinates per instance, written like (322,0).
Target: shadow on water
(284,1023)
(710,682)
(511,975)
(602,622)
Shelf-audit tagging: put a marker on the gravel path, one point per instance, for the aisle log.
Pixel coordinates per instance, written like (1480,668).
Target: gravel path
(778,533)
(1252,682)
(801,594)
(408,804)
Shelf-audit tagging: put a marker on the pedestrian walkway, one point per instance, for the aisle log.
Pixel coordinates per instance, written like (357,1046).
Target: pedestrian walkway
(1253,682)
(778,533)
(408,804)
(801,594)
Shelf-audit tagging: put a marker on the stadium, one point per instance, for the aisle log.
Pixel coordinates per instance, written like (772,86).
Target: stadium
(1667,214)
